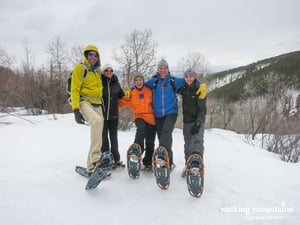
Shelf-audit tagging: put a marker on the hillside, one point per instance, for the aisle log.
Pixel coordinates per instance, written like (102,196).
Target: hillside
(277,73)
(263,97)
(243,184)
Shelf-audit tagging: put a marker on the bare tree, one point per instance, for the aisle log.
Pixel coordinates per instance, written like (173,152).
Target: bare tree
(255,114)
(5,59)
(28,62)
(220,113)
(137,53)
(9,88)
(28,88)
(76,55)
(196,61)
(284,138)
(227,112)
(9,82)
(58,58)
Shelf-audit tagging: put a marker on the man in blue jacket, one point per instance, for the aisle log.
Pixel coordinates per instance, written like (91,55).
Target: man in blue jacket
(164,88)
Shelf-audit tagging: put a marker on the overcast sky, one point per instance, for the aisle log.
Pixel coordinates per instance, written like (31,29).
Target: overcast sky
(228,33)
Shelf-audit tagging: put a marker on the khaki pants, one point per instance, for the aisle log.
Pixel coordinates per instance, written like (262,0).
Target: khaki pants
(94,117)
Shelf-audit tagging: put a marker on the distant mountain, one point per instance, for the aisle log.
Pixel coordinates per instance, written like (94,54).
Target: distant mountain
(265,76)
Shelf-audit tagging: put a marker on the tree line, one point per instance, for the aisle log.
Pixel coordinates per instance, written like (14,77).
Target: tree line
(44,87)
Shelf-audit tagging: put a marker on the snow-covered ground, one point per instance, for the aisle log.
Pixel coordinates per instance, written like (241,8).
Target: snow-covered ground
(38,185)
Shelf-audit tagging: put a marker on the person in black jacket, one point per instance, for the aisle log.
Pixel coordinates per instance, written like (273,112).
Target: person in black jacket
(194,113)
(112,92)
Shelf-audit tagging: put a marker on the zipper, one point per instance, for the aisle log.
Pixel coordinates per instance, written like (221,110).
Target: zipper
(108,99)
(162,98)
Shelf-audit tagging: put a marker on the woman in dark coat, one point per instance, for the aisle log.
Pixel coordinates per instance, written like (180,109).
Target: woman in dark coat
(112,92)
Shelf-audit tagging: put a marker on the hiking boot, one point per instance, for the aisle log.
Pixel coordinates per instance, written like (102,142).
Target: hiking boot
(148,168)
(172,167)
(118,164)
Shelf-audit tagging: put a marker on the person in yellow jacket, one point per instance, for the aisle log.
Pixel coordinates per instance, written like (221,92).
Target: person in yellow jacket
(86,98)
(141,104)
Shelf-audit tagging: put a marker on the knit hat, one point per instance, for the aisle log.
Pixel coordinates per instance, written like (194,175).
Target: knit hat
(162,63)
(106,66)
(138,75)
(190,72)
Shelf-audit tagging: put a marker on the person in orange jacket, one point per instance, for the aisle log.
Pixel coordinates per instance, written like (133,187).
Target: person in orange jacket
(141,104)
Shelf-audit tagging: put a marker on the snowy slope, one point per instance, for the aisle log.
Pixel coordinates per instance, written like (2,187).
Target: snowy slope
(38,185)
(222,81)
(233,76)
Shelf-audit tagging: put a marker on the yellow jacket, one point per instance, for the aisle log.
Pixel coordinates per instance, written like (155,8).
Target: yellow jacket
(91,88)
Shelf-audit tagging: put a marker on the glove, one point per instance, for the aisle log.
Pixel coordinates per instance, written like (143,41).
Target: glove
(195,128)
(78,117)
(201,91)
(127,93)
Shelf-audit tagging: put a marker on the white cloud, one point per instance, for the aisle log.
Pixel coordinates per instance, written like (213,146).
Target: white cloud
(229,33)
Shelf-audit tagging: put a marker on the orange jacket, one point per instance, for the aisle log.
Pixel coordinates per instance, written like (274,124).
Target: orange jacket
(141,104)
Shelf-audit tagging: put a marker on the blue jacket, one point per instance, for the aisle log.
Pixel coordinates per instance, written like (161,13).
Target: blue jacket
(164,94)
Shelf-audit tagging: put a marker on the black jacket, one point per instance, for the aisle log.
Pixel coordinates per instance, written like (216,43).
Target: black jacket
(112,92)
(194,109)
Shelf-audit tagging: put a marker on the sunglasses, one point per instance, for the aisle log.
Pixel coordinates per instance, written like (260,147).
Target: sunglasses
(108,71)
(91,54)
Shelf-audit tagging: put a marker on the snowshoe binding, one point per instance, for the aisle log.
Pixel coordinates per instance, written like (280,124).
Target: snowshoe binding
(134,158)
(118,164)
(183,175)
(82,171)
(148,168)
(195,175)
(161,167)
(102,170)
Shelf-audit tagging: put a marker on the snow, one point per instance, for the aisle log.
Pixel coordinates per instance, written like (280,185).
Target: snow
(38,185)
(231,77)
(293,94)
(222,81)
(260,66)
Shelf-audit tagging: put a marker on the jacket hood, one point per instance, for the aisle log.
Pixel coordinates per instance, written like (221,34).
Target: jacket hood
(91,48)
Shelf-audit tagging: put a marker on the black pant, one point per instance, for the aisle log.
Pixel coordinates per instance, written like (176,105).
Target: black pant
(110,127)
(193,143)
(145,131)
(165,126)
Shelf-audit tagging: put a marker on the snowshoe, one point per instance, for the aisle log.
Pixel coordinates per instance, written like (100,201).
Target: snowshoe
(102,170)
(134,159)
(82,171)
(195,175)
(161,167)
